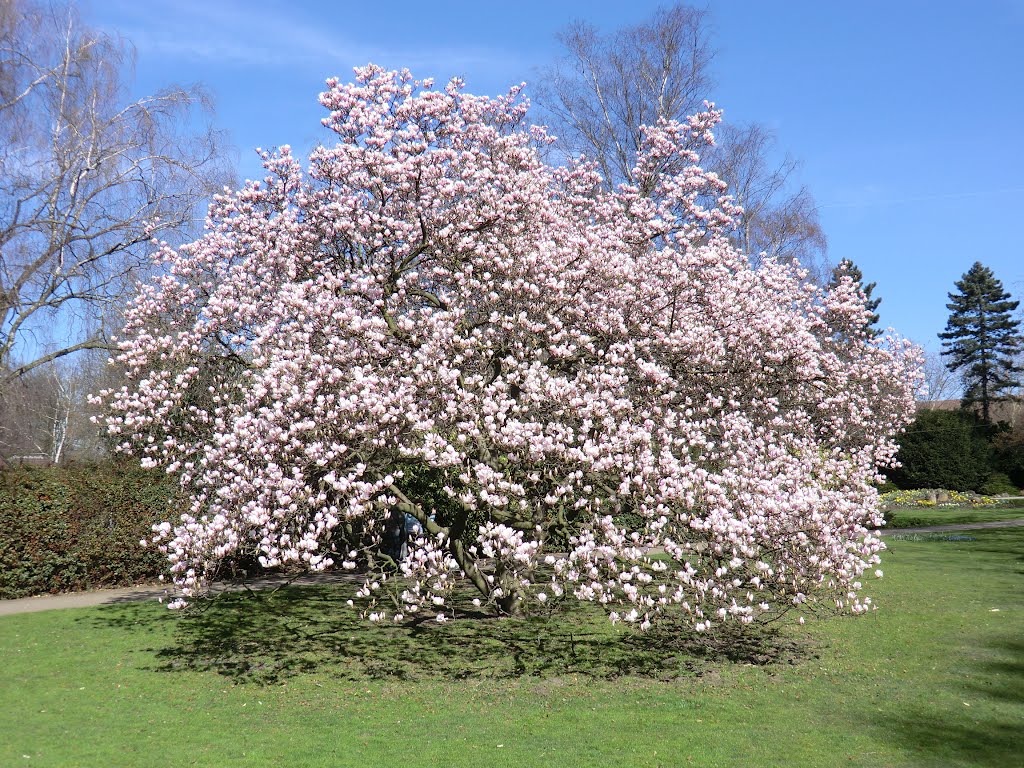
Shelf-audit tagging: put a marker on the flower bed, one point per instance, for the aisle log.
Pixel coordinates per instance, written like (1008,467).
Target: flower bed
(930,497)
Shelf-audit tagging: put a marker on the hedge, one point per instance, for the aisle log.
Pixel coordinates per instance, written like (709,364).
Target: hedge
(71,528)
(944,449)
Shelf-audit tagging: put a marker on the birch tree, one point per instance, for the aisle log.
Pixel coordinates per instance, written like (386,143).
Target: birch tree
(88,177)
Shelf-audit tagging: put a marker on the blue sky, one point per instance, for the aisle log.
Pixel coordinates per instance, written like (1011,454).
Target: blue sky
(907,116)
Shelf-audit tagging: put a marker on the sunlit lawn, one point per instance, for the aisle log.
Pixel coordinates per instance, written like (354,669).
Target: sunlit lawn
(918,516)
(934,678)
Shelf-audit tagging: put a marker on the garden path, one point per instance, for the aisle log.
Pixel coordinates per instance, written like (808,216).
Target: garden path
(156,591)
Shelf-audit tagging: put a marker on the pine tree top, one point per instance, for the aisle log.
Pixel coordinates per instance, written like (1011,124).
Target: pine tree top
(981,291)
(982,338)
(981,306)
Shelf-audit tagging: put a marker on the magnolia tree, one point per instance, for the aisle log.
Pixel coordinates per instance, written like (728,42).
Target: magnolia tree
(574,393)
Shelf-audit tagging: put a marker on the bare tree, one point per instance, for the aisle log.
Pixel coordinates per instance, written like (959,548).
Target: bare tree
(87,178)
(34,415)
(607,86)
(46,411)
(777,221)
(939,382)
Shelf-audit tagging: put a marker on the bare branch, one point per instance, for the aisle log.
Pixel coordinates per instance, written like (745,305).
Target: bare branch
(88,177)
(606,87)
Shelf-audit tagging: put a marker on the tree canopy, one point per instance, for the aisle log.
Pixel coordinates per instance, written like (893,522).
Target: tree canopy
(549,377)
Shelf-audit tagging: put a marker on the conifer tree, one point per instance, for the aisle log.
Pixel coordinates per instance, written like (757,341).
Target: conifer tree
(982,338)
(846,268)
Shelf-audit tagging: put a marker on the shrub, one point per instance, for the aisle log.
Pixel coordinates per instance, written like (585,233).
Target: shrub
(1009,455)
(999,484)
(944,449)
(71,528)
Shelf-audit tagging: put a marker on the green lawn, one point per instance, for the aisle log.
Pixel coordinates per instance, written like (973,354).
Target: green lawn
(916,516)
(934,678)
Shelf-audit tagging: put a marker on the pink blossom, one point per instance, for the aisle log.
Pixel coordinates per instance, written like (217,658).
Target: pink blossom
(550,379)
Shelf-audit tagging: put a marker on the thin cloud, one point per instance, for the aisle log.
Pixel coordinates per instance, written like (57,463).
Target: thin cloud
(867,203)
(262,36)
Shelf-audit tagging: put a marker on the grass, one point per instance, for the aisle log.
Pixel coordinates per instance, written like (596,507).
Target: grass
(934,678)
(913,517)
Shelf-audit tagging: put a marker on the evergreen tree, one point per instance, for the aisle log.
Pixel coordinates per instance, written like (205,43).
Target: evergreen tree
(847,268)
(981,339)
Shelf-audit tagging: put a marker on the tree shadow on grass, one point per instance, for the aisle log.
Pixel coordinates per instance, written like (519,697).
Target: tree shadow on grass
(267,638)
(1001,676)
(972,735)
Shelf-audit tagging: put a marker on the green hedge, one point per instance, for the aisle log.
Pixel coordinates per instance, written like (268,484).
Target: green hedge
(944,449)
(71,528)
(1009,456)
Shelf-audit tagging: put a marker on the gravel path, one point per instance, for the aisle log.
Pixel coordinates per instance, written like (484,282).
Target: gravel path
(155,591)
